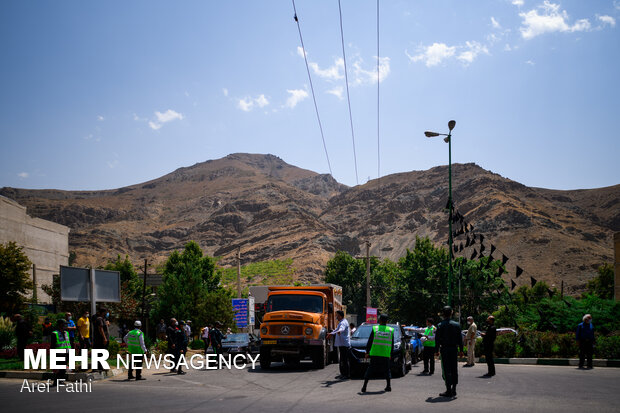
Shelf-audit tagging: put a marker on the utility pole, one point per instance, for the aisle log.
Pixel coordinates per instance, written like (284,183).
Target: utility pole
(368,274)
(239,272)
(144,291)
(34,283)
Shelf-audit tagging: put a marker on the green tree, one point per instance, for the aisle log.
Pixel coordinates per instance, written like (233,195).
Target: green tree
(15,281)
(190,283)
(131,290)
(350,273)
(603,284)
(421,285)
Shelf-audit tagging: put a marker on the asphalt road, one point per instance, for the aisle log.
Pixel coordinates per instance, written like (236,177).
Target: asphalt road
(514,389)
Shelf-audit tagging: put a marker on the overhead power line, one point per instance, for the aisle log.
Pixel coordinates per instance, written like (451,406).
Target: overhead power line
(316,108)
(346,78)
(378,124)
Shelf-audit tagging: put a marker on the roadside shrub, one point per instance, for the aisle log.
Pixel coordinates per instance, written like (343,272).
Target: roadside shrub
(161,347)
(607,347)
(506,346)
(567,346)
(197,345)
(113,347)
(7,333)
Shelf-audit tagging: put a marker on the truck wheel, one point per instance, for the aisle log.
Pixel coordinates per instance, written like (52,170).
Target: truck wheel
(319,357)
(265,358)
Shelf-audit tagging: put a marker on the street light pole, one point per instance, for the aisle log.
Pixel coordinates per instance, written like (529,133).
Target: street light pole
(448,140)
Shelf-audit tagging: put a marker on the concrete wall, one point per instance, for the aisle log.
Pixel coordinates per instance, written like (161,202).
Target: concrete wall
(44,242)
(617,266)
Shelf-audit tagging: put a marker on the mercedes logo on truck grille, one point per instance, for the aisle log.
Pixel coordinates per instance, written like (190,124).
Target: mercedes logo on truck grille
(285,330)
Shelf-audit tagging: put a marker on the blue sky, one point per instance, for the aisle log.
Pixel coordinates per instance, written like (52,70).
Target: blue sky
(99,95)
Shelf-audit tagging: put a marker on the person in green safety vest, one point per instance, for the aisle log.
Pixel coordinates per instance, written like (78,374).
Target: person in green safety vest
(137,349)
(429,347)
(61,341)
(379,348)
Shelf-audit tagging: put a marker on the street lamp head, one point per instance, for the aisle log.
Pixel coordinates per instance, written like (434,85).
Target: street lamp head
(451,124)
(446,139)
(431,134)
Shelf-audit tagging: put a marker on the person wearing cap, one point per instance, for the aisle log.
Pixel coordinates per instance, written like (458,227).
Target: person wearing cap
(488,342)
(585,341)
(379,347)
(137,349)
(180,345)
(470,341)
(448,339)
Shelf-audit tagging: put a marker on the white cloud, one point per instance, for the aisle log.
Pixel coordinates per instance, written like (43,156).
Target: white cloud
(362,76)
(551,19)
(517,3)
(296,96)
(112,164)
(495,23)
(186,94)
(607,20)
(337,91)
(23,175)
(617,4)
(433,55)
(225,92)
(248,103)
(358,75)
(473,49)
(100,118)
(529,62)
(507,48)
(165,117)
(261,101)
(138,118)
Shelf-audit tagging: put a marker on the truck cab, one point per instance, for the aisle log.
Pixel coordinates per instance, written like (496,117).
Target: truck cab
(296,323)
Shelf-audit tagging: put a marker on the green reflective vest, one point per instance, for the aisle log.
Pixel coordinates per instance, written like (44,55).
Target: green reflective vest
(382,341)
(430,336)
(62,340)
(133,342)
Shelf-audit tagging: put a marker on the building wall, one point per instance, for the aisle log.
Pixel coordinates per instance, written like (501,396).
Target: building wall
(44,242)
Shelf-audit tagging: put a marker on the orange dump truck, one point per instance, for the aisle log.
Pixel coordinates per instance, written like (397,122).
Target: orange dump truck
(296,323)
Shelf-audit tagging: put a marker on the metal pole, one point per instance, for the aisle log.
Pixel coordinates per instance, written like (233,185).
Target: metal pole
(460,278)
(144,291)
(34,283)
(368,274)
(93,306)
(450,217)
(238,272)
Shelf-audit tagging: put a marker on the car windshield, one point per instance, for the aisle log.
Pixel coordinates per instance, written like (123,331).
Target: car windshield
(236,338)
(363,332)
(297,302)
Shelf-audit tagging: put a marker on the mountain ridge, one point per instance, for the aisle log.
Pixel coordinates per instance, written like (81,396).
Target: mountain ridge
(274,210)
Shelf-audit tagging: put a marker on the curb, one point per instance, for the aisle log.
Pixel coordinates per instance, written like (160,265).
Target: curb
(552,362)
(44,375)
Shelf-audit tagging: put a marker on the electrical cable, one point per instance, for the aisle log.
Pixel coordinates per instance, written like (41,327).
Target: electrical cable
(316,108)
(346,78)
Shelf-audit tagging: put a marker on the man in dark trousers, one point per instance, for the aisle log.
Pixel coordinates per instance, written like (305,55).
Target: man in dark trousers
(181,344)
(216,337)
(380,346)
(448,338)
(488,342)
(585,340)
(22,332)
(429,347)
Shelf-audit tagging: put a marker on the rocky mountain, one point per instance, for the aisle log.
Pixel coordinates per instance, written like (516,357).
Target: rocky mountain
(273,210)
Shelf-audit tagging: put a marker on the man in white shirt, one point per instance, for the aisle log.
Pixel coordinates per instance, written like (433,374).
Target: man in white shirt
(205,338)
(343,343)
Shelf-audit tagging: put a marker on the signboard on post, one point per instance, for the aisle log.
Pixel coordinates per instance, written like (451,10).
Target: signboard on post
(75,285)
(371,315)
(240,308)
